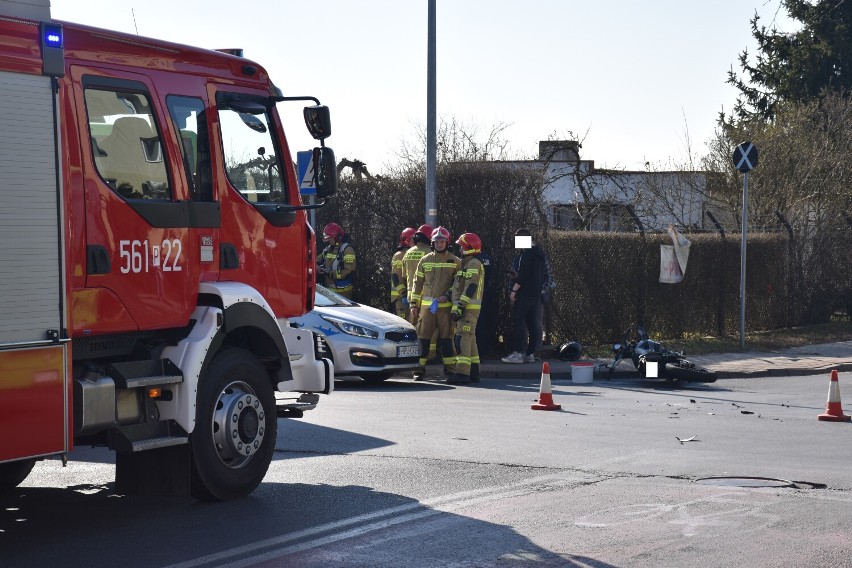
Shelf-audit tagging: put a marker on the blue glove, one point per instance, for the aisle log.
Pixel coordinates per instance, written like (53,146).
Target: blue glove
(405,301)
(433,308)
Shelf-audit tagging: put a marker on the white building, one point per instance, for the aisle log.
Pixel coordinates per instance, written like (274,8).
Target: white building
(577,195)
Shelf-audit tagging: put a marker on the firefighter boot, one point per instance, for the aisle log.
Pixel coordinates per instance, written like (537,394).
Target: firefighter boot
(420,373)
(474,373)
(457,379)
(448,356)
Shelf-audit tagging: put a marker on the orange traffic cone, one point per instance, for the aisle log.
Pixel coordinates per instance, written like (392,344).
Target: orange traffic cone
(833,408)
(545,397)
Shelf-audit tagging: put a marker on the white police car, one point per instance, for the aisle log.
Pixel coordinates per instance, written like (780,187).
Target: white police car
(362,341)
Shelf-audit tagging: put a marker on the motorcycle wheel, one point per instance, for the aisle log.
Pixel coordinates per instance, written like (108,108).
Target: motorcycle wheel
(686,371)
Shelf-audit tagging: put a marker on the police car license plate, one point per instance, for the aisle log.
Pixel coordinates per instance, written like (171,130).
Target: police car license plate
(408,351)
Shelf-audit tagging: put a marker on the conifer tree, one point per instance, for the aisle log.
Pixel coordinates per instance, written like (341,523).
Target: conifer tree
(796,67)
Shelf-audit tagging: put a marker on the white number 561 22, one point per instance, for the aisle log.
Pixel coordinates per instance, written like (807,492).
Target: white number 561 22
(136,256)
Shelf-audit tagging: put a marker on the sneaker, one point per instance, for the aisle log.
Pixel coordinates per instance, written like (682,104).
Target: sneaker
(419,374)
(514,357)
(531,359)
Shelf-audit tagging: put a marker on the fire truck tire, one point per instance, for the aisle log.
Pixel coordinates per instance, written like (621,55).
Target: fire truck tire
(234,437)
(12,474)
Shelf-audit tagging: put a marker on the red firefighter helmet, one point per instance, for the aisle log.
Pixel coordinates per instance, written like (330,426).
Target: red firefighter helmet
(405,236)
(332,232)
(440,233)
(425,230)
(469,243)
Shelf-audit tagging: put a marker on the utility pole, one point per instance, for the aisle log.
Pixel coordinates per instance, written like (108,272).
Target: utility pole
(431,119)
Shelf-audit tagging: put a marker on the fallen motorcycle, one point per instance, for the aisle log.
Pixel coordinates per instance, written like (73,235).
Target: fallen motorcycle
(670,364)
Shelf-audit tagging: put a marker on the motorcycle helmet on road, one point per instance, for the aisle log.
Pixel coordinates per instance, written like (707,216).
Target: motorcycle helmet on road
(569,351)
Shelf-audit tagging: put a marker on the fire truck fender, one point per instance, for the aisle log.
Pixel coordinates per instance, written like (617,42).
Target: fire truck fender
(190,355)
(239,307)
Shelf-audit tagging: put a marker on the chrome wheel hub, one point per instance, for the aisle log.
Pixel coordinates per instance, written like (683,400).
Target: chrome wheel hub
(238,424)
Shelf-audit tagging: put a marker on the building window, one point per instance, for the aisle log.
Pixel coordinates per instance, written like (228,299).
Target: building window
(601,216)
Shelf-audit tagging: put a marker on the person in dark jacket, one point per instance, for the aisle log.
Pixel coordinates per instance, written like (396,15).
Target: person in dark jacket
(525,296)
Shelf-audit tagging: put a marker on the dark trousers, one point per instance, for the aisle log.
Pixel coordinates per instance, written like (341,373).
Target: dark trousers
(526,324)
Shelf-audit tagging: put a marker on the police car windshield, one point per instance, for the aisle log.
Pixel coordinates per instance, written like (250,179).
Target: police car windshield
(325,297)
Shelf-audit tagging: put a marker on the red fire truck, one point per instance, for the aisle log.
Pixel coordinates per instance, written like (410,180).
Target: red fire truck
(153,244)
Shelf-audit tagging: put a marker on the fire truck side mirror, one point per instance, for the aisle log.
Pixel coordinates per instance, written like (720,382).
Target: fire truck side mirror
(318,120)
(326,172)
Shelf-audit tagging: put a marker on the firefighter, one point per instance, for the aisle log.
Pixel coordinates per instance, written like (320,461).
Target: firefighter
(467,303)
(430,300)
(338,261)
(419,248)
(398,297)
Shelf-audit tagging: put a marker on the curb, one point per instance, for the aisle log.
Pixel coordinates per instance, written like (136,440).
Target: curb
(495,370)
(789,372)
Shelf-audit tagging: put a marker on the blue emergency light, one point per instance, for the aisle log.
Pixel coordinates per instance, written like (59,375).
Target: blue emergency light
(52,35)
(52,52)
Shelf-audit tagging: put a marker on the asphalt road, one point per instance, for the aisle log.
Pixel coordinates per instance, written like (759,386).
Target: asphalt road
(411,474)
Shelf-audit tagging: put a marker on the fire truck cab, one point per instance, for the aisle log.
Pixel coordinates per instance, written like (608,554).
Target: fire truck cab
(153,244)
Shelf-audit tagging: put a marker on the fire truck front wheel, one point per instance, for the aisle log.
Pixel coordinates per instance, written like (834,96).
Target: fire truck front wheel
(13,473)
(234,437)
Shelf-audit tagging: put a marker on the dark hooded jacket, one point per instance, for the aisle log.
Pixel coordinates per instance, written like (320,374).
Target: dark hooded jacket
(531,273)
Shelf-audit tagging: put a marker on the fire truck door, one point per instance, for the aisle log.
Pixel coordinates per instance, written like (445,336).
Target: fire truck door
(142,267)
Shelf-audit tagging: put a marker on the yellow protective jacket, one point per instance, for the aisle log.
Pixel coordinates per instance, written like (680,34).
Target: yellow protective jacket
(339,264)
(397,278)
(409,266)
(434,278)
(469,284)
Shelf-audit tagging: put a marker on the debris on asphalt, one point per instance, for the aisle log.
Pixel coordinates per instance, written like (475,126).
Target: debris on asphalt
(692,439)
(746,412)
(692,400)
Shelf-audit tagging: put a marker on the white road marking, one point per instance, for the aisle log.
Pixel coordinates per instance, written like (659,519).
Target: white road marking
(276,547)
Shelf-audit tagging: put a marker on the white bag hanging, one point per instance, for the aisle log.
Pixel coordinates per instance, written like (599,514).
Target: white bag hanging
(673,258)
(669,268)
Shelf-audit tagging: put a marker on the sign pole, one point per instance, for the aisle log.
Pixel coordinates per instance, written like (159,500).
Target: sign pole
(743,261)
(745,159)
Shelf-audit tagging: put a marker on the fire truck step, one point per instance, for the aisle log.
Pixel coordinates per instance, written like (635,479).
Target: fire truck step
(137,382)
(144,373)
(154,443)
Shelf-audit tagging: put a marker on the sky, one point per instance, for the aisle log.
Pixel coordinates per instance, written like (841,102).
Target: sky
(636,82)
